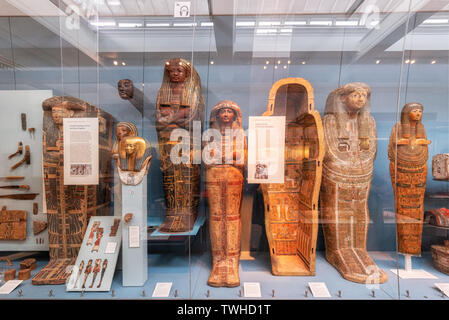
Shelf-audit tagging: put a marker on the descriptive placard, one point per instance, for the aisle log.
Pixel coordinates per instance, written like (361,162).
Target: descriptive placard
(413,274)
(266,145)
(134,236)
(444,287)
(252,290)
(9,286)
(80,151)
(110,247)
(319,290)
(162,290)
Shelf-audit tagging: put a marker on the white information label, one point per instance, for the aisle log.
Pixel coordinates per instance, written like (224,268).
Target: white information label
(414,274)
(162,290)
(319,290)
(252,290)
(134,236)
(182,9)
(266,144)
(110,247)
(80,151)
(444,287)
(9,286)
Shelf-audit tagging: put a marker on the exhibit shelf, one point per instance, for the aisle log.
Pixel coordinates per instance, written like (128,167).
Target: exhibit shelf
(174,268)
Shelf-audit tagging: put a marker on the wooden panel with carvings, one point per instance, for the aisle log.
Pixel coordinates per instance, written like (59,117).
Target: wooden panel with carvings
(13,224)
(291,208)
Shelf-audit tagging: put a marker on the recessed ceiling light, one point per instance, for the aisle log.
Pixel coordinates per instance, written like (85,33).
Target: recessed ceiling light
(320,23)
(407,61)
(347,23)
(269,23)
(115,62)
(289,62)
(265,67)
(433,62)
(207,24)
(279,61)
(295,23)
(436,21)
(123,63)
(212,62)
(245,23)
(187,24)
(285,67)
(413,61)
(275,67)
(129,25)
(103,23)
(158,24)
(303,62)
(377,61)
(267,62)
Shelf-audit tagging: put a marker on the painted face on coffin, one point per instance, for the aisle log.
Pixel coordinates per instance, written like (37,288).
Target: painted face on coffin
(125,89)
(356,100)
(60,112)
(177,73)
(122,132)
(415,115)
(226,116)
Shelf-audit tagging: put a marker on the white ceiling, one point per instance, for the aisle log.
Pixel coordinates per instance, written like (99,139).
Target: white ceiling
(120,8)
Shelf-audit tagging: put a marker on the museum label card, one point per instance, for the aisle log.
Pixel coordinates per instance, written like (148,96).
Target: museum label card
(110,247)
(414,274)
(319,290)
(266,144)
(252,290)
(80,151)
(162,290)
(134,236)
(9,286)
(444,287)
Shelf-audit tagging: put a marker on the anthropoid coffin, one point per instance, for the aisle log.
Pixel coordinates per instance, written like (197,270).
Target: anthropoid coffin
(13,224)
(291,208)
(69,207)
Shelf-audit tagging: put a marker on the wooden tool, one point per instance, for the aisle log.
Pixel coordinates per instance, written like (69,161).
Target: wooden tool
(19,150)
(22,196)
(23,117)
(26,159)
(22,186)
(13,178)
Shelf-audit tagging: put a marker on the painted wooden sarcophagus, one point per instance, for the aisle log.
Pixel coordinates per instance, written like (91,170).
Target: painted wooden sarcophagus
(291,208)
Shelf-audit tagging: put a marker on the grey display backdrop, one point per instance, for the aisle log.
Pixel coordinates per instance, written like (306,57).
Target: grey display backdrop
(241,77)
(13,103)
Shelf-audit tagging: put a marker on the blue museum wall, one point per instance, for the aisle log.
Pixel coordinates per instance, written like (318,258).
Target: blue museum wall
(245,81)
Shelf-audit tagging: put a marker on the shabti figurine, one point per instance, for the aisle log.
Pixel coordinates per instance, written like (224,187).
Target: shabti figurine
(291,208)
(408,154)
(351,146)
(134,160)
(224,185)
(179,105)
(69,207)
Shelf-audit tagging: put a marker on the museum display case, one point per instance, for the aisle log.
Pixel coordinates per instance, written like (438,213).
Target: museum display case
(208,149)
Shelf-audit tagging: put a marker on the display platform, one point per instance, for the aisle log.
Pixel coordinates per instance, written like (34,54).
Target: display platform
(175,268)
